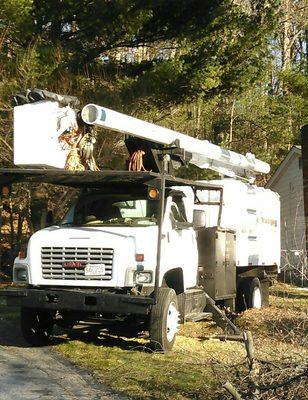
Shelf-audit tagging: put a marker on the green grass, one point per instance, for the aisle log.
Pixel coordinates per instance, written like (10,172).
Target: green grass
(196,368)
(181,374)
(288,291)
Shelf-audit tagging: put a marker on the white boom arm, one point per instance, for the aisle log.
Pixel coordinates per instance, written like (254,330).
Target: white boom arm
(204,153)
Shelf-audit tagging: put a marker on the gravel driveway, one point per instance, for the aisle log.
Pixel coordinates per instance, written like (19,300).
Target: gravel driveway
(39,373)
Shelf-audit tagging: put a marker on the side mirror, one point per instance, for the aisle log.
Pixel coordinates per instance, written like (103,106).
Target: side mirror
(199,219)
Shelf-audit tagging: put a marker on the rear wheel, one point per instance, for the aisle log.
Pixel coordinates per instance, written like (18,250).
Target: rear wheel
(36,325)
(255,294)
(164,320)
(249,294)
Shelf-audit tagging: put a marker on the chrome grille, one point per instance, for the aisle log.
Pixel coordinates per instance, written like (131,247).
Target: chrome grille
(52,259)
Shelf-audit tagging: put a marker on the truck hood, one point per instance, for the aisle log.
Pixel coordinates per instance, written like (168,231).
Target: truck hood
(138,235)
(123,242)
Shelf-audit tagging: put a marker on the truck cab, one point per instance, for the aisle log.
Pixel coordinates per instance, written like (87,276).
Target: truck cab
(134,244)
(108,238)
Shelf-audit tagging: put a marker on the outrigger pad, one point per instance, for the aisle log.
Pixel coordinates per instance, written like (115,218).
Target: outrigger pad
(34,95)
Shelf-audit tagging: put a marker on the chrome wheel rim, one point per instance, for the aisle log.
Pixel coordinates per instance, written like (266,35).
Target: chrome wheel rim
(256,298)
(172,325)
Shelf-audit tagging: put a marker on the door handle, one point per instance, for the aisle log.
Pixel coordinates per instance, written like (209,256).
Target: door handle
(166,236)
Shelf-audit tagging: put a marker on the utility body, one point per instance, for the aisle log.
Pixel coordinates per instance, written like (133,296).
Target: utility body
(148,247)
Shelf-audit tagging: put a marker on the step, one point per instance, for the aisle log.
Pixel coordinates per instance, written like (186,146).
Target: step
(194,317)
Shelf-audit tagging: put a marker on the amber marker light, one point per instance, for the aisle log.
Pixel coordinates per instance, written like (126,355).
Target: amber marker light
(22,253)
(139,257)
(153,193)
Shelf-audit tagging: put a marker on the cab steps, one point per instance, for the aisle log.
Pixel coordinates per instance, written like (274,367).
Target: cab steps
(196,305)
(195,317)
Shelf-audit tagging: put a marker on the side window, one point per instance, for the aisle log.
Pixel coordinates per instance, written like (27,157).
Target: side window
(177,210)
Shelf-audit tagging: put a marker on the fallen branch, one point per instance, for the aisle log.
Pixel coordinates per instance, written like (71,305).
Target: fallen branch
(231,389)
(234,338)
(285,382)
(253,367)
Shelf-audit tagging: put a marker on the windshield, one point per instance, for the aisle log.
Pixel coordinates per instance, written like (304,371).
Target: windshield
(115,209)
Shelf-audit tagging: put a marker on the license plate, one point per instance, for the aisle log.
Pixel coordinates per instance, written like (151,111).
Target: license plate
(94,270)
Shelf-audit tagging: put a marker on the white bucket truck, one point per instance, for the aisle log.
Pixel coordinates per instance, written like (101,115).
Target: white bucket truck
(144,245)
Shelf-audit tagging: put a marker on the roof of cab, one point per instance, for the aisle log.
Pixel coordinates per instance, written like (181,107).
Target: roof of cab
(94,179)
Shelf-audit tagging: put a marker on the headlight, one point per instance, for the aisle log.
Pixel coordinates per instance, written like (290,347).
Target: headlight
(143,277)
(20,273)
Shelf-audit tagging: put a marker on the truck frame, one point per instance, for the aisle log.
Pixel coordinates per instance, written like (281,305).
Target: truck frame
(152,304)
(137,244)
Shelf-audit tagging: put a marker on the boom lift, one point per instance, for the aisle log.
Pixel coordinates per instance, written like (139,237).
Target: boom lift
(201,153)
(140,243)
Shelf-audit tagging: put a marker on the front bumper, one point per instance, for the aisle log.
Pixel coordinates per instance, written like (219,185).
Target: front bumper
(77,300)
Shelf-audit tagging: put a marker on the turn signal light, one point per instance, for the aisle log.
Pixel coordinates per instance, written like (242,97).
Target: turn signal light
(22,253)
(139,257)
(153,193)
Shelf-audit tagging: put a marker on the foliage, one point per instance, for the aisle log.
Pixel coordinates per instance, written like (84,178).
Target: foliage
(214,69)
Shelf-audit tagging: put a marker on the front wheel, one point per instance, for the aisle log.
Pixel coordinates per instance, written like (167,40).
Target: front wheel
(164,320)
(36,325)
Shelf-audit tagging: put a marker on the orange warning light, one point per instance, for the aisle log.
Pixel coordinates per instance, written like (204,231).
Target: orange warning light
(153,193)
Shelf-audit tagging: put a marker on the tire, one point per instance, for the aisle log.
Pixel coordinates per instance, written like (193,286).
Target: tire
(164,320)
(255,294)
(36,326)
(249,294)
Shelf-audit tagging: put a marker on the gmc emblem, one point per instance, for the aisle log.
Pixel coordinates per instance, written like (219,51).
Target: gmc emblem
(73,264)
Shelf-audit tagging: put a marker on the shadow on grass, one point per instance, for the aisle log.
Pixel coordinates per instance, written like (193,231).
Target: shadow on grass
(100,334)
(105,334)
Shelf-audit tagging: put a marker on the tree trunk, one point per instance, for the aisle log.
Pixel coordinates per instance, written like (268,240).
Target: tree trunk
(286,35)
(231,122)
(38,208)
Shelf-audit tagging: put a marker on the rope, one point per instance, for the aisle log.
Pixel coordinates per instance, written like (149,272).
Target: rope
(136,161)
